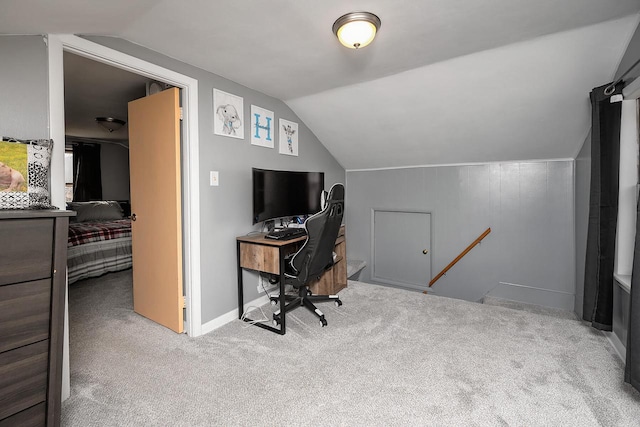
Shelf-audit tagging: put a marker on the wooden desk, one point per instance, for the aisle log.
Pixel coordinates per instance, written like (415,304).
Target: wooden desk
(266,255)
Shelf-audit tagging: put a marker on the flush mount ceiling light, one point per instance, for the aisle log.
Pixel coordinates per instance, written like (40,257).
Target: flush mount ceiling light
(355,30)
(109,123)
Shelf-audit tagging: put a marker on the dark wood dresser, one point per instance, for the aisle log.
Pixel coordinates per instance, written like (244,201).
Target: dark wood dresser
(33,262)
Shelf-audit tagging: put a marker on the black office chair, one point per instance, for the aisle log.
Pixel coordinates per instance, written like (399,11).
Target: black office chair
(315,256)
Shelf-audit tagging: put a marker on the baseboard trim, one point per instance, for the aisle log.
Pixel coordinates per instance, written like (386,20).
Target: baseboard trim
(232,315)
(527,294)
(617,345)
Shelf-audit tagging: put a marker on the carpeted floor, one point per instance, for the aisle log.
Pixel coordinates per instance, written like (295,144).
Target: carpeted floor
(387,357)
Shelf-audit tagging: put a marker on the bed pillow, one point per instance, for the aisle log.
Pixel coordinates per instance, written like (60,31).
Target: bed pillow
(24,173)
(96,211)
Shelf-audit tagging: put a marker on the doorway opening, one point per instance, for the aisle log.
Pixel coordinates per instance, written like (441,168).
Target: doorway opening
(57,44)
(103,234)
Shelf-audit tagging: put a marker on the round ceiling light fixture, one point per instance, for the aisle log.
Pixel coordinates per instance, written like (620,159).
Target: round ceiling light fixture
(109,123)
(356,30)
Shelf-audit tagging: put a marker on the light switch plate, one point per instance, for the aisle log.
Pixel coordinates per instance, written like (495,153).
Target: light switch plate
(214,179)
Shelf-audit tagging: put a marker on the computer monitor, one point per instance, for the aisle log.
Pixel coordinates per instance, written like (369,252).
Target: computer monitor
(278,194)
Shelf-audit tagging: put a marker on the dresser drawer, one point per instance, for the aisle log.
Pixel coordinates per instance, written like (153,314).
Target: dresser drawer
(32,417)
(23,378)
(27,248)
(24,313)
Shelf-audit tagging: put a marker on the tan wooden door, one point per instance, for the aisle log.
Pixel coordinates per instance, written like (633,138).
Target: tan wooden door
(154,162)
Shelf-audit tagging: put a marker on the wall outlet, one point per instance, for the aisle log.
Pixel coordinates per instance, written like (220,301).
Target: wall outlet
(270,287)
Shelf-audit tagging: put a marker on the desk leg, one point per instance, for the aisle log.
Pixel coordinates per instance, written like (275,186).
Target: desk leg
(240,285)
(283,303)
(282,329)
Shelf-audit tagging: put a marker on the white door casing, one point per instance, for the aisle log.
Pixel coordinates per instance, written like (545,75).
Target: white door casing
(57,44)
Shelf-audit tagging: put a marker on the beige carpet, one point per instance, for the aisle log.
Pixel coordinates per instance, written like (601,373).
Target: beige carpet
(387,357)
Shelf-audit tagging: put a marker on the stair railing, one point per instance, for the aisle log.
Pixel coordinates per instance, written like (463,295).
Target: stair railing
(459,257)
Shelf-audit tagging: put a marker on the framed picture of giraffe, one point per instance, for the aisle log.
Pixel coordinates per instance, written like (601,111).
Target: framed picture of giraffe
(288,137)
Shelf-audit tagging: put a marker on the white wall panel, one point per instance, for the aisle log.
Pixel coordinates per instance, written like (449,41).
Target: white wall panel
(528,205)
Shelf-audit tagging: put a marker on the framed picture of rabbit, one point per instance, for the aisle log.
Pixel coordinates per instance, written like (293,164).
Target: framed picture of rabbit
(228,112)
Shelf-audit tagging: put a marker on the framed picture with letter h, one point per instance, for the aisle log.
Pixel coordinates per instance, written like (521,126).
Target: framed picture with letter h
(262,127)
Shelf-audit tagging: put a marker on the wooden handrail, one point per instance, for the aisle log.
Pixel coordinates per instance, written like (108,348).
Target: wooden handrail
(459,257)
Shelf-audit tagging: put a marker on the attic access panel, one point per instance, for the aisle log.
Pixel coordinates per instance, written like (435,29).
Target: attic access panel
(401,248)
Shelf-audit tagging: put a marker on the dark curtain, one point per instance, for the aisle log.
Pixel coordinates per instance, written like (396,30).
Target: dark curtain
(632,368)
(87,177)
(603,209)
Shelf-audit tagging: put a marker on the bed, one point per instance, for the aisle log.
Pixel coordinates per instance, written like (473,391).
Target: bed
(98,243)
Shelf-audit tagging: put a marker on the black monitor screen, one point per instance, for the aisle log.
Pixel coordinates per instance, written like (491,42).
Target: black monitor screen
(279,194)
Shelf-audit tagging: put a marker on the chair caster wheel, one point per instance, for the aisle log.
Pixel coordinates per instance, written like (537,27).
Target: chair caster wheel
(274,302)
(276,320)
(338,303)
(323,322)
(309,293)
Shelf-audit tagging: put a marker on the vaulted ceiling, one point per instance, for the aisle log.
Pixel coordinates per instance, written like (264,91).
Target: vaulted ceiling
(445,81)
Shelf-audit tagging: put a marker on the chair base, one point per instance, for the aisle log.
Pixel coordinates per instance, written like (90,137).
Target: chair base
(304,298)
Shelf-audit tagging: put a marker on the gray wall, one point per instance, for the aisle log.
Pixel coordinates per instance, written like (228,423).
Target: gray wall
(582,184)
(529,207)
(23,87)
(225,211)
(114,168)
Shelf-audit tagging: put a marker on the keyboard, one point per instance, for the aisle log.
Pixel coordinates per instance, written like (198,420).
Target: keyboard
(286,234)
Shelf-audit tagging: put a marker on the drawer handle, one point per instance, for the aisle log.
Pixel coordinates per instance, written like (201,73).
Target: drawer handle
(133,217)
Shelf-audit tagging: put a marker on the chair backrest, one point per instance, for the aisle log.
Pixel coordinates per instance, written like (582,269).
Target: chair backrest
(316,254)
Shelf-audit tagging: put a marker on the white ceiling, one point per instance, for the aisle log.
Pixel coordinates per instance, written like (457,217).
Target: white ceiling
(523,101)
(445,81)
